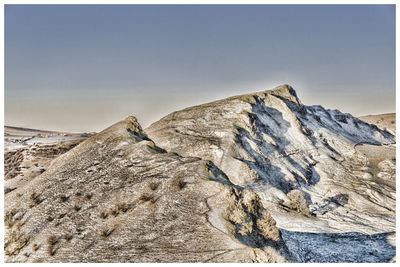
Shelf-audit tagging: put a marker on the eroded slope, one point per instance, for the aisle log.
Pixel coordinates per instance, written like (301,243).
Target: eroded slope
(117,197)
(308,165)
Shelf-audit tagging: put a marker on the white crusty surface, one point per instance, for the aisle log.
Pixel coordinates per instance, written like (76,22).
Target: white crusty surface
(117,197)
(272,144)
(251,178)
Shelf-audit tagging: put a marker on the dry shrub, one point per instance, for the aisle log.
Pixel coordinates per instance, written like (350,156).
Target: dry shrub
(181,184)
(103,215)
(154,186)
(146,197)
(107,232)
(36,247)
(64,198)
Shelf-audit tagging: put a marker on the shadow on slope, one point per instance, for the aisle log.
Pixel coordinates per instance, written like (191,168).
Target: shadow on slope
(269,121)
(341,247)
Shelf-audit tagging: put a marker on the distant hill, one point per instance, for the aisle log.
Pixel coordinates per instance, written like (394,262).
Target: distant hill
(384,121)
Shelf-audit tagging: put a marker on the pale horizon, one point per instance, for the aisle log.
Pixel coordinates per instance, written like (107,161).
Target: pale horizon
(82,68)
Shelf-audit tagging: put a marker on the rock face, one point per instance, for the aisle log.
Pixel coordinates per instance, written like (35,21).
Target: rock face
(252,178)
(317,171)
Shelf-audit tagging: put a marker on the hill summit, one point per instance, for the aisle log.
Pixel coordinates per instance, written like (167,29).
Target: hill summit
(251,178)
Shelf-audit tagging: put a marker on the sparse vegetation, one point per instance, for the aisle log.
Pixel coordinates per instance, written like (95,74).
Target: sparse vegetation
(181,184)
(107,232)
(9,220)
(103,215)
(114,212)
(120,207)
(77,207)
(9,189)
(64,198)
(52,240)
(123,207)
(12,162)
(89,196)
(154,200)
(146,197)
(68,237)
(53,250)
(36,246)
(154,186)
(35,198)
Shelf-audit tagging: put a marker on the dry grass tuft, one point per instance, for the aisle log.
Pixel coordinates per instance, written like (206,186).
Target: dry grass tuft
(36,247)
(114,212)
(9,220)
(52,240)
(9,189)
(181,184)
(68,237)
(103,215)
(123,207)
(64,198)
(53,250)
(146,197)
(35,198)
(154,186)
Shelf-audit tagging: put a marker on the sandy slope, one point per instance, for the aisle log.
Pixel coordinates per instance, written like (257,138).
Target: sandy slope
(117,197)
(258,177)
(384,121)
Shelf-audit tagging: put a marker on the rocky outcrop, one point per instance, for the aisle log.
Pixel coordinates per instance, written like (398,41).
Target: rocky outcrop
(117,197)
(251,178)
(272,144)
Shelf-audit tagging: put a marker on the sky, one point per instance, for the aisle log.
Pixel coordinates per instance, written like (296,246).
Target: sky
(81,68)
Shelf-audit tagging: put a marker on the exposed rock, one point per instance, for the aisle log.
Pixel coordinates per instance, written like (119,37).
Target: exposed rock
(272,144)
(117,197)
(251,178)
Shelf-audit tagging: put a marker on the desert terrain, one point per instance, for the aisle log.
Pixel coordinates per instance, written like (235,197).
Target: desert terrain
(252,178)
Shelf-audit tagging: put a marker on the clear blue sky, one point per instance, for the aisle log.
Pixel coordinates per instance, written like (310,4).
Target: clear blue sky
(84,67)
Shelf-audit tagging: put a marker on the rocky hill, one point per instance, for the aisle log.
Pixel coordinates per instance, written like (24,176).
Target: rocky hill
(252,178)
